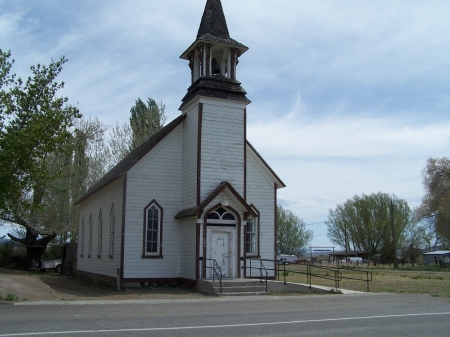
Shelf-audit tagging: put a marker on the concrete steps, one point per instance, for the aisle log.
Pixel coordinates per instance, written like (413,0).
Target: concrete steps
(236,287)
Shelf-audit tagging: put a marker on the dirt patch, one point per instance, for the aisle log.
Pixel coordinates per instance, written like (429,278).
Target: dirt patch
(49,286)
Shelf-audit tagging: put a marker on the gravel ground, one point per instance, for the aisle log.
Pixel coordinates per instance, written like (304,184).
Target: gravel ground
(49,286)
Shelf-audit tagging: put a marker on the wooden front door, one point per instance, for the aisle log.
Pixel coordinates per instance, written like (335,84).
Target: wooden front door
(220,251)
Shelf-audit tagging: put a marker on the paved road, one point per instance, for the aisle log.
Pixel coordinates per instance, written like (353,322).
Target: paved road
(281,316)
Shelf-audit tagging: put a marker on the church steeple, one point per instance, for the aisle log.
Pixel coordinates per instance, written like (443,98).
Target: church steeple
(213,58)
(213,21)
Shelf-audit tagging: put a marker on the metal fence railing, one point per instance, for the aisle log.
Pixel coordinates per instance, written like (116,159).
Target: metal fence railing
(334,274)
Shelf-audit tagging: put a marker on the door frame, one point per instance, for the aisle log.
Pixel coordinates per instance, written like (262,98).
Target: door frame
(235,262)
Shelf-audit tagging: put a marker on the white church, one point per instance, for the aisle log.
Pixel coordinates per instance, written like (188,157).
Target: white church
(193,197)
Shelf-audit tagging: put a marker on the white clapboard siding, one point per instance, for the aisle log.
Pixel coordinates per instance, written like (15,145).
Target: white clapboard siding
(103,200)
(190,138)
(222,157)
(187,247)
(157,176)
(260,193)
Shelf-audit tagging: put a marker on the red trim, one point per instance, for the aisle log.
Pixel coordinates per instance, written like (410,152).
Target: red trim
(124,205)
(160,255)
(197,250)
(275,226)
(199,150)
(245,155)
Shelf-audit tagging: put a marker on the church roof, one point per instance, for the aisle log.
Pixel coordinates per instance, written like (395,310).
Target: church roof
(198,210)
(213,21)
(133,157)
(213,28)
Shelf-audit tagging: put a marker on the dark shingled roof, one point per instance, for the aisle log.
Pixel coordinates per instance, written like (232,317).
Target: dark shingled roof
(213,27)
(216,86)
(198,210)
(265,163)
(213,21)
(126,163)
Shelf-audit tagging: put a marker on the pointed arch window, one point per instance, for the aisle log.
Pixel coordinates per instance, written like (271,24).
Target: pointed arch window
(112,225)
(82,238)
(153,215)
(100,234)
(90,237)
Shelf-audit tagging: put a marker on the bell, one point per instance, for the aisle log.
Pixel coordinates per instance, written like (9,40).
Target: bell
(215,67)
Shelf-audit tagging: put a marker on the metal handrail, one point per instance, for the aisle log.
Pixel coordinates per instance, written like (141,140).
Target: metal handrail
(261,267)
(367,280)
(217,271)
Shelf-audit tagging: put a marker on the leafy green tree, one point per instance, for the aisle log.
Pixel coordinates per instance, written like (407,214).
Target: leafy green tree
(435,205)
(364,223)
(35,131)
(292,236)
(146,120)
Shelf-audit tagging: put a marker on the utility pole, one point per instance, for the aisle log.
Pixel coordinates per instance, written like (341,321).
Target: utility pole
(393,235)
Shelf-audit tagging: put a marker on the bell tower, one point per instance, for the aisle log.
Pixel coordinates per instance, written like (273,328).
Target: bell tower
(213,58)
(214,138)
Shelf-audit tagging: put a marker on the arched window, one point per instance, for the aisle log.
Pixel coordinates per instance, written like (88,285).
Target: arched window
(82,238)
(221,214)
(112,225)
(221,217)
(153,215)
(90,236)
(100,234)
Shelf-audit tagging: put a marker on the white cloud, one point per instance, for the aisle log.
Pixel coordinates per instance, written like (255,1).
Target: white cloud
(346,94)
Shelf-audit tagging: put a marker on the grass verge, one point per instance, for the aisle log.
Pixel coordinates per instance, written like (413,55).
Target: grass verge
(383,280)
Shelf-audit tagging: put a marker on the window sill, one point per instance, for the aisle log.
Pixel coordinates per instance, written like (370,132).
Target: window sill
(152,256)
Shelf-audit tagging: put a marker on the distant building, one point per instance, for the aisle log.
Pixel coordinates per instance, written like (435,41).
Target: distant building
(339,256)
(437,257)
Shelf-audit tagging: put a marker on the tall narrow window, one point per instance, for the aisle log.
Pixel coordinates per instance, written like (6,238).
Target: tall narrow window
(250,237)
(82,238)
(112,224)
(152,230)
(90,237)
(100,234)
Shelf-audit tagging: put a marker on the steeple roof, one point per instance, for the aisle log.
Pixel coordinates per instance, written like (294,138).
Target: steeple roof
(213,28)
(213,21)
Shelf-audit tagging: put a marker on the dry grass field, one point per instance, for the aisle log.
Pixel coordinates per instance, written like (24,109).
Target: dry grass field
(421,280)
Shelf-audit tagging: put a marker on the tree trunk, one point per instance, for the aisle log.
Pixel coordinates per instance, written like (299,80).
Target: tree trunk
(35,246)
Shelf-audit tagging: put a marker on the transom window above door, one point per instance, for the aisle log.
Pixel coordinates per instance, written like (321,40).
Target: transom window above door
(221,216)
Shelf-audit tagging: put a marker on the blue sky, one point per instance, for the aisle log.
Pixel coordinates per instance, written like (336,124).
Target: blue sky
(348,97)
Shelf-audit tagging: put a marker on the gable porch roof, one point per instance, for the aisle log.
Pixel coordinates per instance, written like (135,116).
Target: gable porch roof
(223,186)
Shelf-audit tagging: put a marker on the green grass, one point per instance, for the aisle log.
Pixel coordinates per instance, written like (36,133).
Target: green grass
(383,280)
